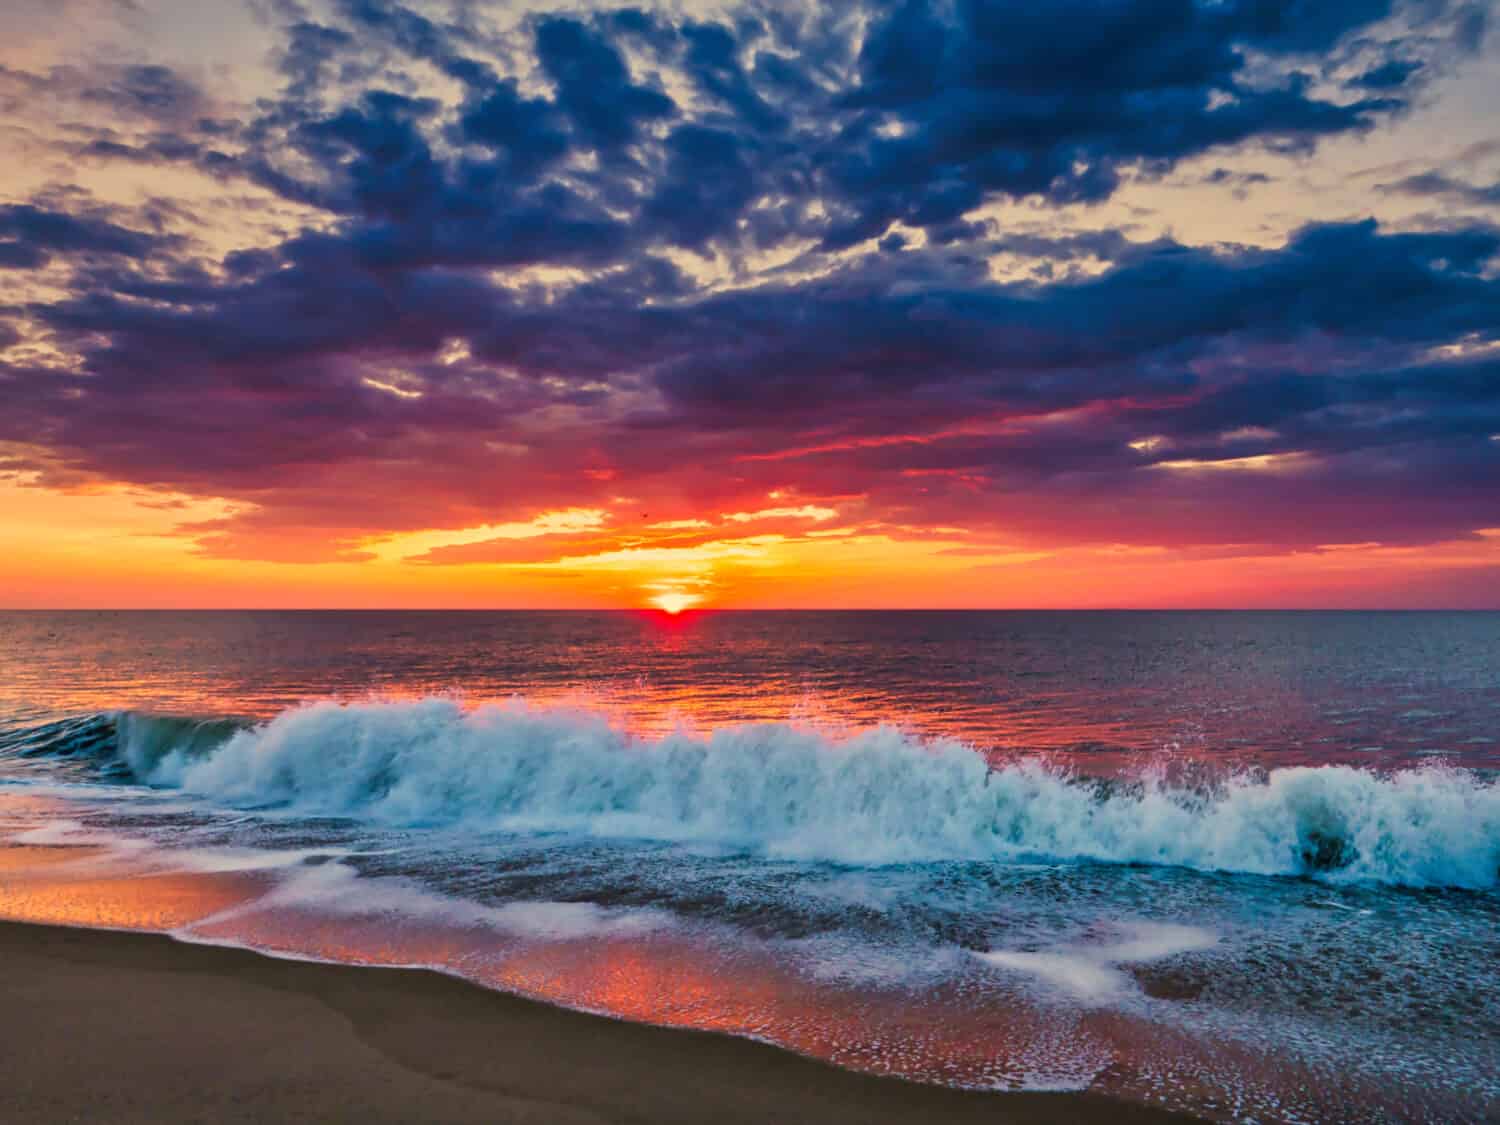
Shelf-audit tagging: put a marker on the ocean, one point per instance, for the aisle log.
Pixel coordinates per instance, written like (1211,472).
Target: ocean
(1245,865)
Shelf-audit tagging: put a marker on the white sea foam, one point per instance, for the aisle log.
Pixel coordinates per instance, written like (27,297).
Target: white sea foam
(337,890)
(1091,973)
(54,833)
(877,797)
(221,861)
(1083,977)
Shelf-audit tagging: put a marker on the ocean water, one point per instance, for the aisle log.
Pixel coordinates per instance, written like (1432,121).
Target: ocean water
(1241,864)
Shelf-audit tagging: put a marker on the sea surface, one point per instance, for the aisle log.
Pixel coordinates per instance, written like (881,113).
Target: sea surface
(1241,864)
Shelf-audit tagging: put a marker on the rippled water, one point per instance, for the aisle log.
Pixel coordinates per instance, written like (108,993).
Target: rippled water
(1242,864)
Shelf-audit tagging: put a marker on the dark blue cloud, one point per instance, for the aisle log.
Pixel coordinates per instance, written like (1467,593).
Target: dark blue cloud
(529,132)
(150,90)
(1150,326)
(790,138)
(713,60)
(30,236)
(995,98)
(594,86)
(708,183)
(1437,185)
(310,51)
(418,37)
(1388,75)
(950,105)
(21,255)
(1320,348)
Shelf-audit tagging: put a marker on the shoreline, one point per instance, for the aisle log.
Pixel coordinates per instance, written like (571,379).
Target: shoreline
(118,1026)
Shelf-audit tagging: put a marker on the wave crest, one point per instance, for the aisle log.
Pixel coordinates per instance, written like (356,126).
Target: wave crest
(877,797)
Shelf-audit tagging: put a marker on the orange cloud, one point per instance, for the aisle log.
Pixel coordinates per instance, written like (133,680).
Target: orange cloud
(116,546)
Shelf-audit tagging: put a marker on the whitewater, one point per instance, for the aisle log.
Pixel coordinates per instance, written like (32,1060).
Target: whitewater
(878,796)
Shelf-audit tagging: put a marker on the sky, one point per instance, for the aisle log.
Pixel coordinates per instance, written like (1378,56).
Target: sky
(932,303)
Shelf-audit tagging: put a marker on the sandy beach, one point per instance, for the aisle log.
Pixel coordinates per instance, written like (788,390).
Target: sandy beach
(119,1027)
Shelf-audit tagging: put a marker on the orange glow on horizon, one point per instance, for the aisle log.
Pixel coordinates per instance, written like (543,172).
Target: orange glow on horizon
(117,547)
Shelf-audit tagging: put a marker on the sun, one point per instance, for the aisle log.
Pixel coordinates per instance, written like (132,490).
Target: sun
(674,601)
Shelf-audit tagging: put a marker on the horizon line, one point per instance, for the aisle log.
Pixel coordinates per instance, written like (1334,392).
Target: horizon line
(702,610)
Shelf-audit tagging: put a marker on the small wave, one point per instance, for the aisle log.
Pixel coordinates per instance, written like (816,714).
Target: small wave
(877,797)
(83,738)
(117,745)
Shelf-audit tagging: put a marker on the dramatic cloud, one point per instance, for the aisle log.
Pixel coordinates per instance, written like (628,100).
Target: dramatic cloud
(31,236)
(663,266)
(1439,186)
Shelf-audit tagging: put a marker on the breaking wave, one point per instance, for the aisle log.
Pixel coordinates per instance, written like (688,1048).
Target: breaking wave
(877,797)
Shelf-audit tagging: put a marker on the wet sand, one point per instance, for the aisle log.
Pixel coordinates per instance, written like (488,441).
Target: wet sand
(122,1027)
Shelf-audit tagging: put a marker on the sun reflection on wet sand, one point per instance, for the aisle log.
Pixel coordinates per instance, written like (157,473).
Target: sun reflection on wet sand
(64,889)
(961,1025)
(675,979)
(971,1029)
(51,874)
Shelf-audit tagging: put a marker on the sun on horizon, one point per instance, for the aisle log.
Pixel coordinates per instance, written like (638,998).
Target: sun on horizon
(675,601)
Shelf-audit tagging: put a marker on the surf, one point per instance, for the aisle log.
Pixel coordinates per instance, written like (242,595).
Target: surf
(874,797)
